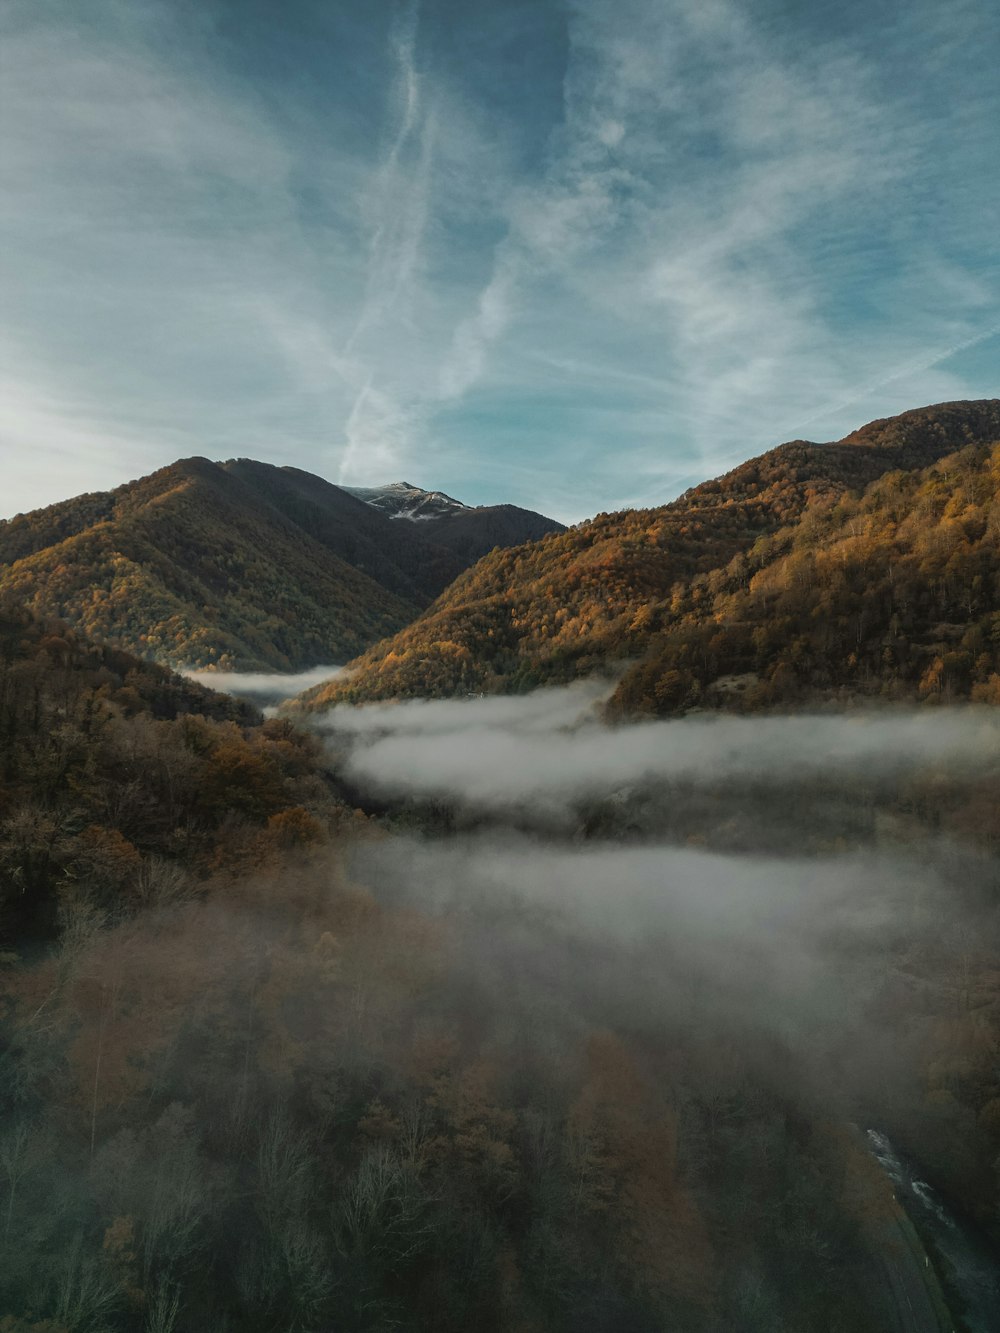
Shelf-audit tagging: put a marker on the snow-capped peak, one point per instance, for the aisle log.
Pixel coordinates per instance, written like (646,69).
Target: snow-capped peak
(401,500)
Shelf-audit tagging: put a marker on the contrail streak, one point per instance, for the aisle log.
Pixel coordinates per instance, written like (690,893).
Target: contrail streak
(912,368)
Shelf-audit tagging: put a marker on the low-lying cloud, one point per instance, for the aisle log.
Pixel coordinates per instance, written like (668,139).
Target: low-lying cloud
(738,874)
(796,946)
(541,712)
(744,887)
(270,685)
(550,748)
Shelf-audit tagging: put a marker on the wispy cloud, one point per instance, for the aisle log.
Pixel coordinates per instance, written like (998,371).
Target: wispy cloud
(570,256)
(465,363)
(379,432)
(717,202)
(905,373)
(379,425)
(150,217)
(398,197)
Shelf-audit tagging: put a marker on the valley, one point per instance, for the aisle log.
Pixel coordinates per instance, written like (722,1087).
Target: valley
(499,667)
(524,1008)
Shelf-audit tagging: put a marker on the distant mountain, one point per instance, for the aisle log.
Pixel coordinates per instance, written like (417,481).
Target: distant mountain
(661,587)
(404,559)
(239,565)
(469,532)
(472,533)
(401,500)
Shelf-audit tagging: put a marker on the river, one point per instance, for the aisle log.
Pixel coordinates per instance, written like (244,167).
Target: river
(967,1263)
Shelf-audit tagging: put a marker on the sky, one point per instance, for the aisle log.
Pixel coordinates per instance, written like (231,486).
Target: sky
(570,254)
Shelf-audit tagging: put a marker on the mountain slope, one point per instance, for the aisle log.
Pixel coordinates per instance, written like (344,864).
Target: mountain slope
(601,592)
(405,559)
(239,564)
(895,593)
(472,533)
(119,779)
(189,566)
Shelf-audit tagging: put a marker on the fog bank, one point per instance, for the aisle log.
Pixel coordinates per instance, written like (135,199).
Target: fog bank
(267,685)
(794,947)
(541,711)
(549,748)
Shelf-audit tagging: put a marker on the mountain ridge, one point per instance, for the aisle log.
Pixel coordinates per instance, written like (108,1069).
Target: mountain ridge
(597,595)
(240,565)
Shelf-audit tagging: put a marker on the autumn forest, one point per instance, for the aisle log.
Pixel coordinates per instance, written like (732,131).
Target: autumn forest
(613,947)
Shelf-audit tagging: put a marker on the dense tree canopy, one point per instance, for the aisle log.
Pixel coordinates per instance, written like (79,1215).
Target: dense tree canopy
(241,565)
(893,594)
(246,1083)
(117,776)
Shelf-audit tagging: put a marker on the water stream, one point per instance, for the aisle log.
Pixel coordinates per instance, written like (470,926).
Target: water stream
(967,1263)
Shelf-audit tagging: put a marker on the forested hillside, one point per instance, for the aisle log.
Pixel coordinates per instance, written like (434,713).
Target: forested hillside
(467,531)
(605,592)
(266,1062)
(238,565)
(120,782)
(472,533)
(401,557)
(894,594)
(190,566)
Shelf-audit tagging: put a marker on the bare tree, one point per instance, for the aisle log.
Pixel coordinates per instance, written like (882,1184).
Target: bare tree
(87,1291)
(15,1162)
(162,1309)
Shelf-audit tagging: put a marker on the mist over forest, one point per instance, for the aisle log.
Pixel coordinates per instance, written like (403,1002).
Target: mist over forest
(263,687)
(555,1024)
(615,949)
(802,904)
(499,667)
(552,749)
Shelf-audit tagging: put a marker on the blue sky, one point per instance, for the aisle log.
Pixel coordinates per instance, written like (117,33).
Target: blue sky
(574,255)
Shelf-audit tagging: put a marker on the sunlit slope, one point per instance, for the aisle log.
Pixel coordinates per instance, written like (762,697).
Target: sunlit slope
(605,592)
(242,564)
(894,594)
